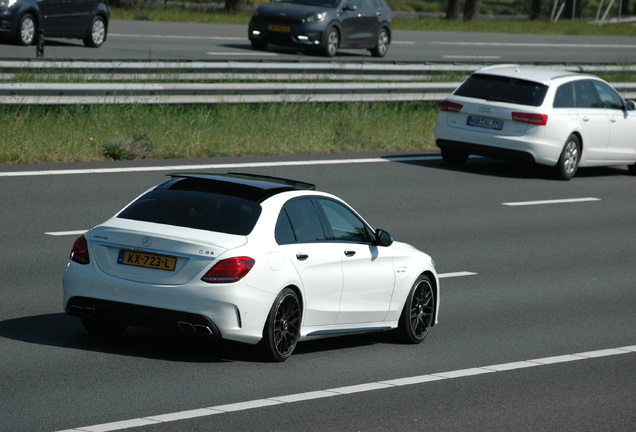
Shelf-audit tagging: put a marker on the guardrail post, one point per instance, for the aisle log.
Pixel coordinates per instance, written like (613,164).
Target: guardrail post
(39,47)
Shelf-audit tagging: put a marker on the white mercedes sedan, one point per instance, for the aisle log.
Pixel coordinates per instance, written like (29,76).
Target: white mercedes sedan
(550,117)
(260,260)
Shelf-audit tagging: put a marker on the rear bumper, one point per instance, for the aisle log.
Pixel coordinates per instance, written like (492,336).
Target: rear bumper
(487,151)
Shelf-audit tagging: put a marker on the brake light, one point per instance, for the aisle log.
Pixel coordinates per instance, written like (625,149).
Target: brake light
(79,252)
(229,270)
(535,119)
(449,106)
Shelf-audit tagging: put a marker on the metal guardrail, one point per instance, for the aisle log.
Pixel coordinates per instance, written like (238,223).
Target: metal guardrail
(321,82)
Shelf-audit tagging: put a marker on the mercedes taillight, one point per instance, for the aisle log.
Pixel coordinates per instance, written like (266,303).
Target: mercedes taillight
(229,270)
(79,253)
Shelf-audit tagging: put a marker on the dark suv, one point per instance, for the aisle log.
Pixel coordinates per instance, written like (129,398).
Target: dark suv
(22,20)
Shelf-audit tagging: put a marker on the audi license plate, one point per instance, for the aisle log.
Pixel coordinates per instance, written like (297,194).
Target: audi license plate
(140,259)
(279,28)
(484,122)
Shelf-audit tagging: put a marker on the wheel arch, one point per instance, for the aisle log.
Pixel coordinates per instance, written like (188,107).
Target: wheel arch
(435,283)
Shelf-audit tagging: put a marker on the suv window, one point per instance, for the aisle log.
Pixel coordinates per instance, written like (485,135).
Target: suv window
(609,98)
(195,209)
(299,222)
(344,224)
(564,97)
(503,89)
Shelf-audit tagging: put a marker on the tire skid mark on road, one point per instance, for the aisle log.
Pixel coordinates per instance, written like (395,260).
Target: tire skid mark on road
(340,391)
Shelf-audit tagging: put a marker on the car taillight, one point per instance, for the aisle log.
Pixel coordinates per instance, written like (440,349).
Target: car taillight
(450,106)
(535,119)
(229,270)
(79,253)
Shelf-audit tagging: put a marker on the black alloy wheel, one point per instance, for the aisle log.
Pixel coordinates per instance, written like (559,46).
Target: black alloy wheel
(282,329)
(419,309)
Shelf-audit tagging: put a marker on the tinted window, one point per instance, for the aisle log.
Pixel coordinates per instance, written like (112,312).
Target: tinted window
(299,222)
(344,224)
(609,98)
(584,95)
(564,97)
(503,89)
(194,209)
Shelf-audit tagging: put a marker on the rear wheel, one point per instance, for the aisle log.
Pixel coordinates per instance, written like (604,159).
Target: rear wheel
(632,168)
(568,163)
(454,157)
(96,34)
(282,329)
(381,44)
(418,312)
(26,30)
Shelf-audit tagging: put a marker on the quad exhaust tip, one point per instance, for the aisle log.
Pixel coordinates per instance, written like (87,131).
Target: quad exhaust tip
(200,329)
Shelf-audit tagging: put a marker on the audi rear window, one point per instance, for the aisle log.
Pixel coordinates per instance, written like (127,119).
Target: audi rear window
(195,209)
(503,89)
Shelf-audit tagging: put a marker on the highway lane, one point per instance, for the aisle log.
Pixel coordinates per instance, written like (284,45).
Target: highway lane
(147,40)
(551,280)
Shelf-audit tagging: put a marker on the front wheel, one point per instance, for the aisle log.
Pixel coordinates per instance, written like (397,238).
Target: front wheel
(282,329)
(632,168)
(419,309)
(381,44)
(331,42)
(26,30)
(96,34)
(259,45)
(569,160)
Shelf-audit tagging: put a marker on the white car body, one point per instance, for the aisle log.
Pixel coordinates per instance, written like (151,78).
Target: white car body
(343,286)
(605,134)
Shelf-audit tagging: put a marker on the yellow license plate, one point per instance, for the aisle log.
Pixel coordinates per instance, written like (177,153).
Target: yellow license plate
(279,28)
(140,259)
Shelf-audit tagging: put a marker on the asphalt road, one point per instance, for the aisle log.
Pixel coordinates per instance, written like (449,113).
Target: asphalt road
(145,40)
(536,327)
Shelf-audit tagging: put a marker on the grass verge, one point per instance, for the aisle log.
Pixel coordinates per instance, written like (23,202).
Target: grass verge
(100,133)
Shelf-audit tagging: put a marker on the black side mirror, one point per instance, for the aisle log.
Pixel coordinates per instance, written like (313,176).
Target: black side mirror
(630,105)
(383,238)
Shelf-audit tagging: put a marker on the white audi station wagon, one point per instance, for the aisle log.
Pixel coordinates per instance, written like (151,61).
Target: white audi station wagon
(550,117)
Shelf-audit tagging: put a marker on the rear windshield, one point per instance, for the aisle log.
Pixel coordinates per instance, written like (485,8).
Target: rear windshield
(503,89)
(195,209)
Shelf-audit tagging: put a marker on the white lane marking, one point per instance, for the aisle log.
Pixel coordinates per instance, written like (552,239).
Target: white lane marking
(558,201)
(471,57)
(377,385)
(455,274)
(218,166)
(65,233)
(243,53)
(532,44)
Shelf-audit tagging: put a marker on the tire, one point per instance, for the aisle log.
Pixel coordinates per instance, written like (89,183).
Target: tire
(27,29)
(568,162)
(282,329)
(417,315)
(102,327)
(382,43)
(259,45)
(96,33)
(454,157)
(632,169)
(331,43)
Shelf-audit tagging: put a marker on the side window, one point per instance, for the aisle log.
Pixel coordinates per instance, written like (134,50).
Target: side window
(609,98)
(299,222)
(564,97)
(344,224)
(584,95)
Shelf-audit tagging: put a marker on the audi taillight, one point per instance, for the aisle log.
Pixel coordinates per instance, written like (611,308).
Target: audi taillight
(535,119)
(449,106)
(79,253)
(229,270)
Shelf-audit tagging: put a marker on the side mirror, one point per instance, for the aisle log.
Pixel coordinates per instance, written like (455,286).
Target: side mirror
(630,105)
(383,238)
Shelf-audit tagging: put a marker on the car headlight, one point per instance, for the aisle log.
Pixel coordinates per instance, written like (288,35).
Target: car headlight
(317,17)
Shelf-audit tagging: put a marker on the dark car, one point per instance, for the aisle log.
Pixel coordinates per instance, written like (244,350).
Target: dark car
(22,20)
(324,26)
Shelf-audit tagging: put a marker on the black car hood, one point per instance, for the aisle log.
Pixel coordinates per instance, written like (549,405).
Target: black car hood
(290,11)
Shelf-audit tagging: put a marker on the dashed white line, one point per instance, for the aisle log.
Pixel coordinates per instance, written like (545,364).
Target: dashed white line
(556,201)
(339,391)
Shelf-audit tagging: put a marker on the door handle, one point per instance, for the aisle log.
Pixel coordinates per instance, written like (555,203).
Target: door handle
(350,253)
(302,257)
(586,119)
